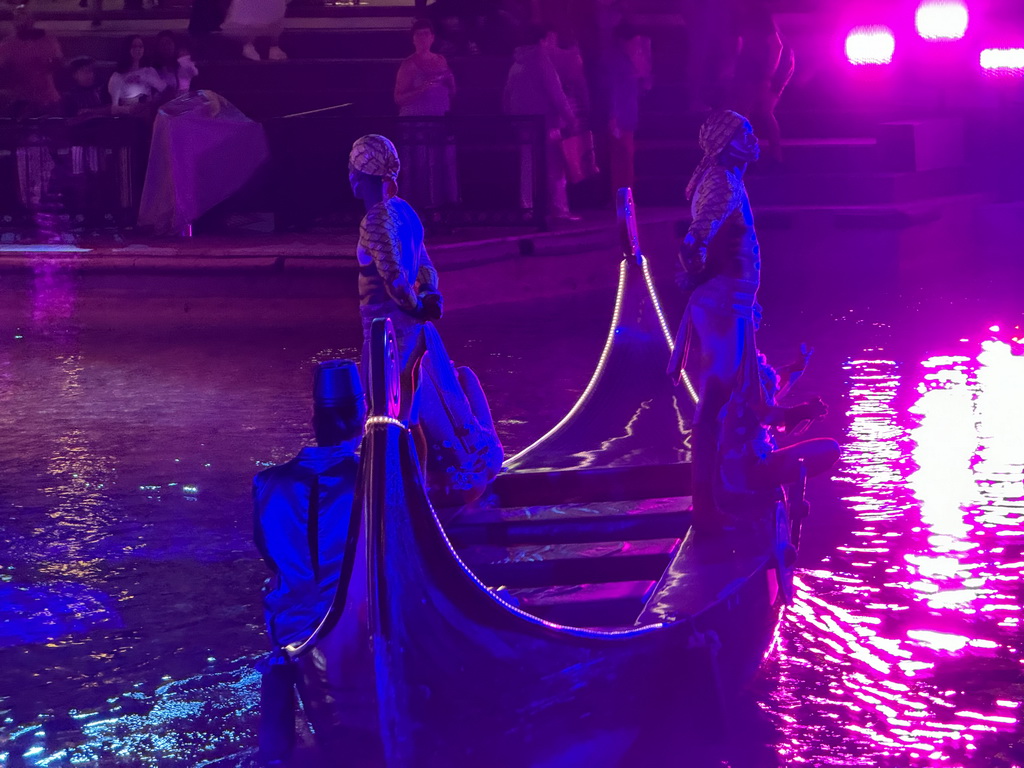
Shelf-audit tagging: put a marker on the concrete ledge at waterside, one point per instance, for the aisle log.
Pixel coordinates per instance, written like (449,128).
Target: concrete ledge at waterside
(185,255)
(316,251)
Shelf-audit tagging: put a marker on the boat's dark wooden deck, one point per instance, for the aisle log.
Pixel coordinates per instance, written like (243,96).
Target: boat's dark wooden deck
(582,564)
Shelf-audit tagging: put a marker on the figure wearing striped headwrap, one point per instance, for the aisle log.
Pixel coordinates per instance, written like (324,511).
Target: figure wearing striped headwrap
(721,266)
(396,277)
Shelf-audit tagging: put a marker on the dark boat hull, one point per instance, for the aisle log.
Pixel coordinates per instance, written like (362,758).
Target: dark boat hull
(464,679)
(461,676)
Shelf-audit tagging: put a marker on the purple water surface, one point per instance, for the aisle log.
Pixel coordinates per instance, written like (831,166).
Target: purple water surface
(126,456)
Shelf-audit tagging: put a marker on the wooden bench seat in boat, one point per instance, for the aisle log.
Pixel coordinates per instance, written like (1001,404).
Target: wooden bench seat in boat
(541,565)
(654,518)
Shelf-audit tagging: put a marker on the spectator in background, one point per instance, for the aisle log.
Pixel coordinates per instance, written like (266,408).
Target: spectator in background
(533,88)
(425,84)
(88,182)
(764,67)
(629,73)
(174,64)
(134,85)
(251,19)
(569,66)
(424,87)
(84,97)
(30,57)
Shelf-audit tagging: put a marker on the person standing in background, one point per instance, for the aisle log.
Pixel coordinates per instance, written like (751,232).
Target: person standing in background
(764,67)
(534,88)
(31,58)
(711,57)
(629,74)
(83,98)
(424,87)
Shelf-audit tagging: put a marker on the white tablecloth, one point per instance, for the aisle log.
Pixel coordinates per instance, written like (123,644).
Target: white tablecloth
(204,150)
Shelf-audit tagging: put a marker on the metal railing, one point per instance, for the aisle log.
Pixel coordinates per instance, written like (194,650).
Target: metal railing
(59,176)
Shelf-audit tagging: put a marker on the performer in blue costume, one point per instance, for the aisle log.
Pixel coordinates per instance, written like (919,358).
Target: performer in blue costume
(302,515)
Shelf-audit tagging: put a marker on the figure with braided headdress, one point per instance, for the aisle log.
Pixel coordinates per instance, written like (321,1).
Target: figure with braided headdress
(396,277)
(452,425)
(721,266)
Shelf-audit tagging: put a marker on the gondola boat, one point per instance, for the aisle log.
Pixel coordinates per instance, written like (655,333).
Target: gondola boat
(571,619)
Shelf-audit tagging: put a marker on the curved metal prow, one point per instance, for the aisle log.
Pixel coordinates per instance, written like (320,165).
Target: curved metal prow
(384,405)
(384,389)
(628,380)
(626,212)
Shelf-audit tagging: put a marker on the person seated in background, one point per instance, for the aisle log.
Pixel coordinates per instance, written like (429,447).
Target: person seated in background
(174,64)
(302,516)
(84,96)
(135,85)
(30,58)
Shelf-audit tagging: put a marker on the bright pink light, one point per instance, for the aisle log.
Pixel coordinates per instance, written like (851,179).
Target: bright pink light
(941,19)
(1003,61)
(870,45)
(938,640)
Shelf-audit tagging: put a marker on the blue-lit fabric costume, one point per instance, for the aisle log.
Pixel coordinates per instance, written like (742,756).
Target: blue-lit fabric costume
(302,511)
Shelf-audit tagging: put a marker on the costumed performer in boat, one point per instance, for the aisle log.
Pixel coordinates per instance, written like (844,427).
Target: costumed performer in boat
(302,514)
(721,269)
(450,418)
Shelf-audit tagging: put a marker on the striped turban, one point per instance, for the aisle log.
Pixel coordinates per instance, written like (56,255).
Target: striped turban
(715,135)
(375,155)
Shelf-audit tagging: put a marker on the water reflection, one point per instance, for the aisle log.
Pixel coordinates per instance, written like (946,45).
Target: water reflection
(903,648)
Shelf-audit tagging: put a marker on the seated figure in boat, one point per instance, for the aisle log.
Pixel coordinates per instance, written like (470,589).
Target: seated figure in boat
(396,277)
(721,267)
(751,462)
(302,513)
(460,449)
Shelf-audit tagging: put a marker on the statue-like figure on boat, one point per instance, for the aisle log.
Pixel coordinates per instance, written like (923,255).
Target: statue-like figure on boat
(396,276)
(720,271)
(445,407)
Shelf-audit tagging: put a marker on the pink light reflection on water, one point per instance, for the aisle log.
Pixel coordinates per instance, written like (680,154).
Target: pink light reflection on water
(914,623)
